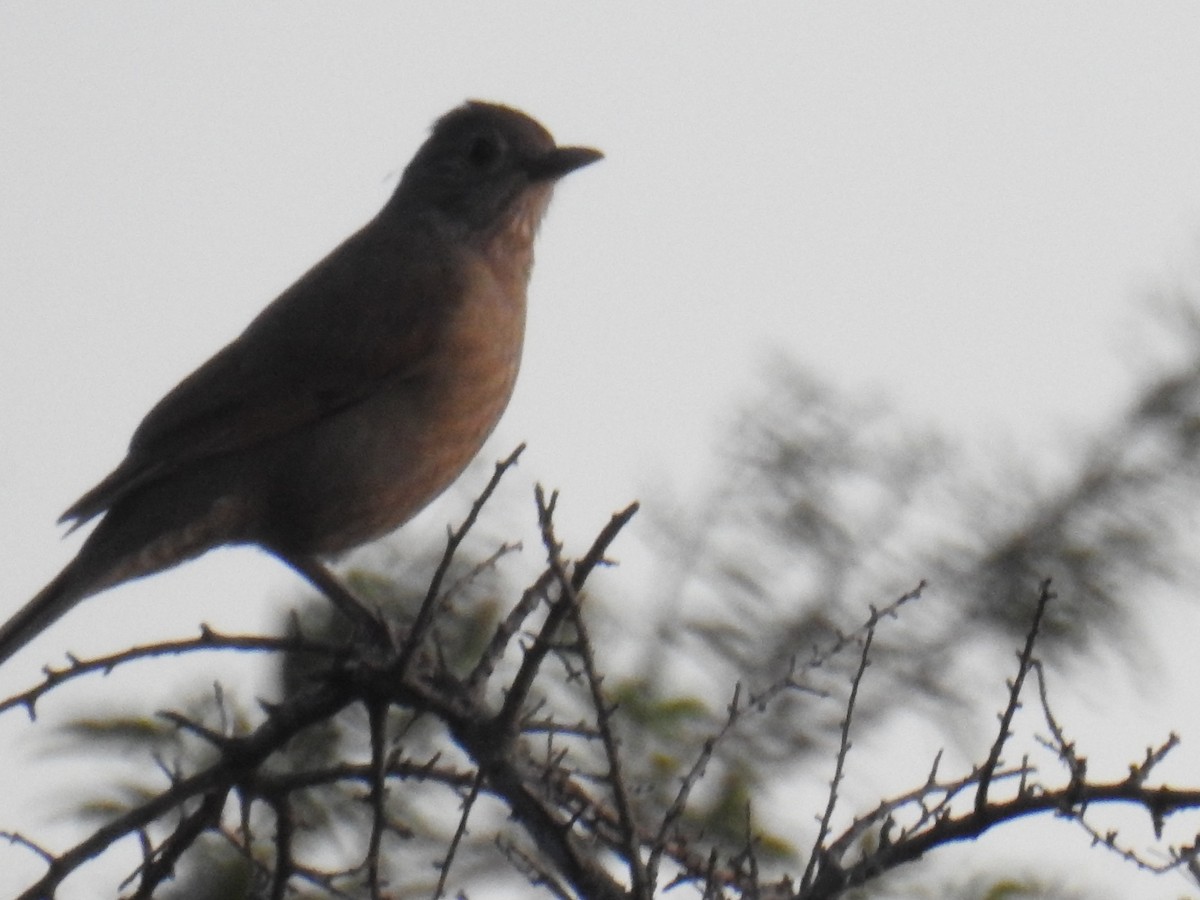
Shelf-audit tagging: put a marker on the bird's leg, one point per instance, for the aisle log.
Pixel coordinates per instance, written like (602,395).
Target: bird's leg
(323,580)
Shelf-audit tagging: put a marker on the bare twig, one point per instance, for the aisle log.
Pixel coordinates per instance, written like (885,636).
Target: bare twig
(454,538)
(507,628)
(675,811)
(162,863)
(459,833)
(1025,660)
(818,857)
(208,640)
(518,690)
(241,755)
(640,887)
(377,721)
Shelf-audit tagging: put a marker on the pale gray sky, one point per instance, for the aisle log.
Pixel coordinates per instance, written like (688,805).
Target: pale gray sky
(956,204)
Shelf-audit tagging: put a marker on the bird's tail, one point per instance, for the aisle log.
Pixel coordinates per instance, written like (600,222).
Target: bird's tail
(145,533)
(118,549)
(53,601)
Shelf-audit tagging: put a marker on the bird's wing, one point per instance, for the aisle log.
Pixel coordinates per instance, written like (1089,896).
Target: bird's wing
(367,311)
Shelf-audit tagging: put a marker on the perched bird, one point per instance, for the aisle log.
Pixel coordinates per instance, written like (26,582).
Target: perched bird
(353,399)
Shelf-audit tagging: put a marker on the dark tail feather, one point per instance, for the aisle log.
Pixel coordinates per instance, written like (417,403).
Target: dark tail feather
(146,532)
(53,601)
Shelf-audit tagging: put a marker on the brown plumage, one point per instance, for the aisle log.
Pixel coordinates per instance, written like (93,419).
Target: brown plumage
(357,396)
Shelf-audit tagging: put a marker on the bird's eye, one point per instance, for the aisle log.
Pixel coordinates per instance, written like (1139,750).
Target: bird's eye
(483,151)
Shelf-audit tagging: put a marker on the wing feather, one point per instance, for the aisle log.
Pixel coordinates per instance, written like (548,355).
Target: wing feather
(357,317)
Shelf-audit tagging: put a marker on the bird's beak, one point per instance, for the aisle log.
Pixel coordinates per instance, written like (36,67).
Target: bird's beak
(559,161)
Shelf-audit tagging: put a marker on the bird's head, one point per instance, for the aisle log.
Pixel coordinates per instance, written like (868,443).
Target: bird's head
(484,163)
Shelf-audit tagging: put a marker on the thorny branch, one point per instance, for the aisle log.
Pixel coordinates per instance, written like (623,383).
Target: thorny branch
(577,827)
(1025,661)
(208,640)
(938,821)
(253,765)
(839,770)
(433,597)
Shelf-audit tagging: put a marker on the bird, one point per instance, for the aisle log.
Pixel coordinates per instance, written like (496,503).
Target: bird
(354,398)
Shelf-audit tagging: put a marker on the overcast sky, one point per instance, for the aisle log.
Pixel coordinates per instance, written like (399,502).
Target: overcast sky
(956,205)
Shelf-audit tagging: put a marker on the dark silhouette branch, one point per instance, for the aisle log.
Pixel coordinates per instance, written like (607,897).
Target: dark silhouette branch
(532,731)
(240,756)
(839,768)
(1025,662)
(208,640)
(433,596)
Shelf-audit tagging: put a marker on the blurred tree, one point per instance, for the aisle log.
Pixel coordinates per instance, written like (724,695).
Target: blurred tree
(829,502)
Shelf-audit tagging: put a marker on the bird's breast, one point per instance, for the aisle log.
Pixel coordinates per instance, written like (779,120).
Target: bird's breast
(474,369)
(380,462)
